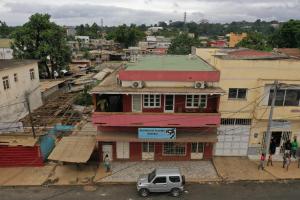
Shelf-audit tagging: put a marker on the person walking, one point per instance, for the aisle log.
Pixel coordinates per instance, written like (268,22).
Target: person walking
(272,152)
(107,163)
(262,162)
(294,146)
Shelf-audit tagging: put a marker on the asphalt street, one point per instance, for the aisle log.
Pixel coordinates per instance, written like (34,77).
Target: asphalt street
(241,190)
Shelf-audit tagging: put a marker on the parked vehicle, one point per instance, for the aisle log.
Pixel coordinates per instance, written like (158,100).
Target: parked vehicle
(161,180)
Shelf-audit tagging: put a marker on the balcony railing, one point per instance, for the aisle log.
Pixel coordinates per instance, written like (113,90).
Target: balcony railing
(116,119)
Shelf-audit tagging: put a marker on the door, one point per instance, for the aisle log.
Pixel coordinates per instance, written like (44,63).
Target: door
(122,150)
(233,140)
(197,150)
(169,103)
(107,150)
(148,151)
(159,184)
(136,103)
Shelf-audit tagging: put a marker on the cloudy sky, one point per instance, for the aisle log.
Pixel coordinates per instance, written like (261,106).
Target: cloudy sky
(115,12)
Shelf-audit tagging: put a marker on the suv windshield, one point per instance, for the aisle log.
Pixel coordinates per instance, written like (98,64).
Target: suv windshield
(151,176)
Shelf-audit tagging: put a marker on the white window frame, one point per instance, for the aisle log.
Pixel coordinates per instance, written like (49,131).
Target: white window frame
(237,94)
(174,154)
(199,103)
(32,74)
(147,104)
(132,103)
(5,82)
(197,147)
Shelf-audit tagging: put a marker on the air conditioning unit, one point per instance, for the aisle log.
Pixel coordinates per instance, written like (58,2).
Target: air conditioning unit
(200,84)
(137,84)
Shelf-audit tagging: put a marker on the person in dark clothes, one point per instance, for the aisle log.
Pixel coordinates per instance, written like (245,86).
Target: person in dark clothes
(288,147)
(272,152)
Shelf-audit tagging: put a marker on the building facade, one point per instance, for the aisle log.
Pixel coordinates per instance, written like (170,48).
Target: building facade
(17,78)
(247,76)
(158,108)
(5,50)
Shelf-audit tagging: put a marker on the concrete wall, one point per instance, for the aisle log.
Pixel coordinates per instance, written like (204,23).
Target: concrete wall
(6,53)
(16,93)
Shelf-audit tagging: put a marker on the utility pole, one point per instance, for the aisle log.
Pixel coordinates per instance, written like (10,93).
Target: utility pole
(268,133)
(29,111)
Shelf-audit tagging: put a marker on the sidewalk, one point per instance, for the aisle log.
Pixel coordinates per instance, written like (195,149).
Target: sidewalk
(221,169)
(128,172)
(240,169)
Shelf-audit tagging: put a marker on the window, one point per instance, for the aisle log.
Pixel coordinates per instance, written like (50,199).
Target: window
(16,77)
(196,101)
(285,97)
(151,101)
(234,121)
(5,82)
(237,93)
(161,179)
(174,149)
(197,147)
(148,147)
(174,179)
(31,71)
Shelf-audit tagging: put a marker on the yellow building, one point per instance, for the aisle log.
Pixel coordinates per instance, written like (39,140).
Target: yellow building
(248,76)
(235,38)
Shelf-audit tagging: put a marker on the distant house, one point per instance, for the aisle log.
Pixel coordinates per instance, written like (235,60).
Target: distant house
(5,50)
(17,78)
(235,38)
(84,39)
(218,43)
(70,30)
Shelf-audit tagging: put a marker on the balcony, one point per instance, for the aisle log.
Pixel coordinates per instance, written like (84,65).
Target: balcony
(129,119)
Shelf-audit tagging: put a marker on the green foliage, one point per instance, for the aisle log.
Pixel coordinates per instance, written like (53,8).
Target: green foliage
(4,30)
(93,31)
(255,41)
(87,55)
(126,35)
(288,36)
(84,98)
(181,45)
(43,40)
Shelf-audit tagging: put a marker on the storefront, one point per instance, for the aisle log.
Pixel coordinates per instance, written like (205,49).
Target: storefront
(184,146)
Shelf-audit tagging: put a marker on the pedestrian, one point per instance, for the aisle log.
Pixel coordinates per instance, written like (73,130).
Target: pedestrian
(294,146)
(287,161)
(107,163)
(288,147)
(272,152)
(262,162)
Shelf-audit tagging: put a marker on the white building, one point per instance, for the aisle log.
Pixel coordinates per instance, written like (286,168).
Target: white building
(84,39)
(5,51)
(17,78)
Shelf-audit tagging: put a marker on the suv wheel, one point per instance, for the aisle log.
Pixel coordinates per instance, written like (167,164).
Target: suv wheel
(175,192)
(144,192)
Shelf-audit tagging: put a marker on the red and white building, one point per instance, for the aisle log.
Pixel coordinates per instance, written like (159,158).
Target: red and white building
(136,107)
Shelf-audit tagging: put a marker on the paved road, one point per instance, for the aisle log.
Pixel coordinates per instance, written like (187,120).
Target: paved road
(244,191)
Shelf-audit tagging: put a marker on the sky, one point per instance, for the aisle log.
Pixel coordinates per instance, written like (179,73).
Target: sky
(116,12)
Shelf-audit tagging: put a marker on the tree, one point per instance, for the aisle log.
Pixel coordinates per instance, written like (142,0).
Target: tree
(127,36)
(4,30)
(288,36)
(43,40)
(255,41)
(182,44)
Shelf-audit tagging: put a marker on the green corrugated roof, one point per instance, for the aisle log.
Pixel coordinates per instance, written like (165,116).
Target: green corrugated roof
(170,63)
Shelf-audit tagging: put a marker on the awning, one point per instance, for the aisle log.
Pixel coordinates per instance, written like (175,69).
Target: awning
(180,137)
(75,149)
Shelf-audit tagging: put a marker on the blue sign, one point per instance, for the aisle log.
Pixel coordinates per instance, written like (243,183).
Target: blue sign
(157,133)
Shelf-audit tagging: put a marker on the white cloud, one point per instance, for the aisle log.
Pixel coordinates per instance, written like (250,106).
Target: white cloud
(115,12)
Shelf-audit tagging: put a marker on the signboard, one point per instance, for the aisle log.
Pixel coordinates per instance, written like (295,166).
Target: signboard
(157,133)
